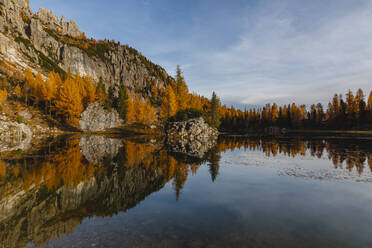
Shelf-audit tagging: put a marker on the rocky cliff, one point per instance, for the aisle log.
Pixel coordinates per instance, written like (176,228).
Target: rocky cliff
(42,41)
(193,137)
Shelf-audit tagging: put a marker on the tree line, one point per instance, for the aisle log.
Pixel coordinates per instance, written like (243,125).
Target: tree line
(65,97)
(353,111)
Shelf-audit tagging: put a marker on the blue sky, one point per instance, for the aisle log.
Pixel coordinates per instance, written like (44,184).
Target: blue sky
(250,52)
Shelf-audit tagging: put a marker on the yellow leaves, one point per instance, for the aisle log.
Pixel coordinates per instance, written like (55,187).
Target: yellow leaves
(194,102)
(2,169)
(181,90)
(149,113)
(67,98)
(168,106)
(90,90)
(274,113)
(140,111)
(18,91)
(69,101)
(131,115)
(29,77)
(49,91)
(3,96)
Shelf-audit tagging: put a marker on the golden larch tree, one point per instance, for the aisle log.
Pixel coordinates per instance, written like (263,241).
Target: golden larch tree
(370,101)
(131,115)
(69,102)
(168,105)
(18,91)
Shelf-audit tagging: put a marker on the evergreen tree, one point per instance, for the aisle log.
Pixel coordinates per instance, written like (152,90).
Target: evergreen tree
(214,114)
(122,102)
(214,163)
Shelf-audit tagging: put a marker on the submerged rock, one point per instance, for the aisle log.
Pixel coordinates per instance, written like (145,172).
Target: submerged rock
(96,118)
(193,137)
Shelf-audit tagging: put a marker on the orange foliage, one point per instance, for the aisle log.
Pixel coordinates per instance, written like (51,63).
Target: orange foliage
(140,111)
(67,98)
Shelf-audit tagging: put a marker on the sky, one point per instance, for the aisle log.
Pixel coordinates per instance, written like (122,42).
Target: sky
(250,52)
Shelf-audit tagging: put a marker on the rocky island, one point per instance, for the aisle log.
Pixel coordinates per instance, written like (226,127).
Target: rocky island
(193,137)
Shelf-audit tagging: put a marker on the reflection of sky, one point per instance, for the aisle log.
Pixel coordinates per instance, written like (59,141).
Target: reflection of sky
(249,52)
(245,205)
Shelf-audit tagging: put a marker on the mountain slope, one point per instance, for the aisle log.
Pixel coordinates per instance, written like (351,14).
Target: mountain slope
(44,42)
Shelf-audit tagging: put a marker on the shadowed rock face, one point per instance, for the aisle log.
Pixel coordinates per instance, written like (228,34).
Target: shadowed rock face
(193,137)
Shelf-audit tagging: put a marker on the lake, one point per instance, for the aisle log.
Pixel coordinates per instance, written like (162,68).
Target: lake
(96,191)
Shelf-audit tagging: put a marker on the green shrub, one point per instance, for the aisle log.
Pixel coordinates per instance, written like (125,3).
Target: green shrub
(187,114)
(19,119)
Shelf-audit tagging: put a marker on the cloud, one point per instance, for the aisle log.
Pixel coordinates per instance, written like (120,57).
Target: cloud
(274,60)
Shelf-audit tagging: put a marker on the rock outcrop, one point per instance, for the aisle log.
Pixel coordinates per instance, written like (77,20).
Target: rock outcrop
(193,137)
(96,118)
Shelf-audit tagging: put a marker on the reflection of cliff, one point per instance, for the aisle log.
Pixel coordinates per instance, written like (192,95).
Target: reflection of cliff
(48,196)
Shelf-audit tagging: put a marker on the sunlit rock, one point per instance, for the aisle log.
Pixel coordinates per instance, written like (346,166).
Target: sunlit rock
(193,137)
(96,118)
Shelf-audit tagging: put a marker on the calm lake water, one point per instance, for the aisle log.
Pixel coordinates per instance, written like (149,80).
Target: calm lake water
(102,192)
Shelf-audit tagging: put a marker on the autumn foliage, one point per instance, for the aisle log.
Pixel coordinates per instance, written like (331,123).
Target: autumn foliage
(346,113)
(140,111)
(65,98)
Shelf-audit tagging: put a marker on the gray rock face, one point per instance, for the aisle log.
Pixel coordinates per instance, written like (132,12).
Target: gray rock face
(96,118)
(193,137)
(43,33)
(96,148)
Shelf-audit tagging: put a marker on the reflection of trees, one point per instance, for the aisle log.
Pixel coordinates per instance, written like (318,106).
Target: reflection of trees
(349,154)
(64,167)
(214,163)
(47,195)
(54,190)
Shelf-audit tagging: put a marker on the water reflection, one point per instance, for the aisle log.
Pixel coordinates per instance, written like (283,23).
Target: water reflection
(348,154)
(49,193)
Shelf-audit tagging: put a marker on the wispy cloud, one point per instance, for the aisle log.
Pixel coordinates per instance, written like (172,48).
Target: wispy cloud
(274,61)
